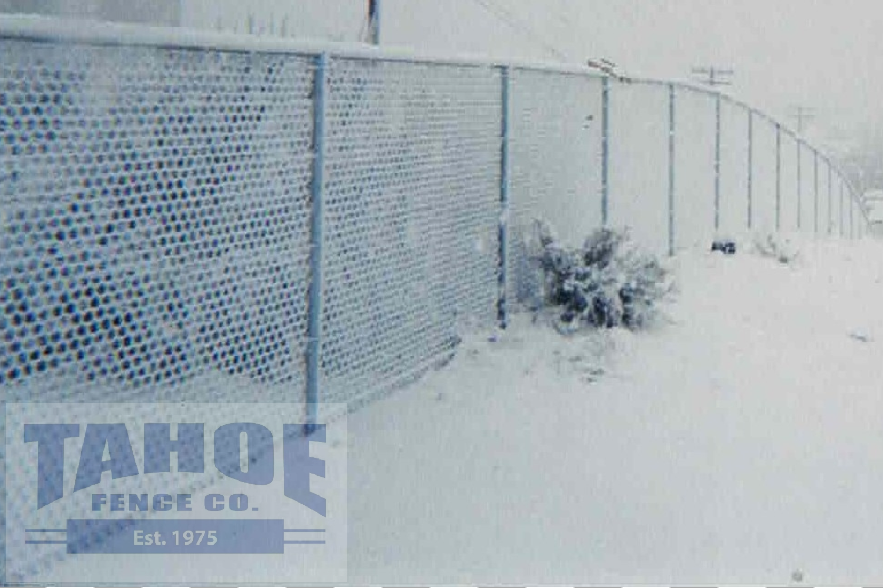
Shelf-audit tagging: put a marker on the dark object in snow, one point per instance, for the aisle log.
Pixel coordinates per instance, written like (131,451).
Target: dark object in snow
(863,337)
(607,283)
(727,247)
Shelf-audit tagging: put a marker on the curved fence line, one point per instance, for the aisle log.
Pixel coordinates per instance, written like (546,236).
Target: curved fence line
(187,216)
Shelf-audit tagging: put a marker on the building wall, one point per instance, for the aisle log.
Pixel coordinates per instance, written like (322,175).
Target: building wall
(30,6)
(329,20)
(153,12)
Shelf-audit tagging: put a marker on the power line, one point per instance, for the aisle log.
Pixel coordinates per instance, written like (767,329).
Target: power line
(517,24)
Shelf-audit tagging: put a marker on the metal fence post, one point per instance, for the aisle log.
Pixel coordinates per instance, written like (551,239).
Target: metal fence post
(830,204)
(502,310)
(750,163)
(851,215)
(816,190)
(799,189)
(859,217)
(671,169)
(778,176)
(717,163)
(840,207)
(314,320)
(605,150)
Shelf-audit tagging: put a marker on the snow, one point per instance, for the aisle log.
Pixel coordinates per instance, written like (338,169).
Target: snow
(67,30)
(736,442)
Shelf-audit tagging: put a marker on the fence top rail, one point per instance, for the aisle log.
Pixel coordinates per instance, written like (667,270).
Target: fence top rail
(52,29)
(87,32)
(699,89)
(786,130)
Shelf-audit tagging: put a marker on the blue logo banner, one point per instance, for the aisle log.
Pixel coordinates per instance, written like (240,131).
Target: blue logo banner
(147,494)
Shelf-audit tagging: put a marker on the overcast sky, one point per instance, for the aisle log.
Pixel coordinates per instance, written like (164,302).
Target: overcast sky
(820,53)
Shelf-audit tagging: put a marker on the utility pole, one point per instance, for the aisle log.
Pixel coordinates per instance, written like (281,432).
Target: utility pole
(374,22)
(802,114)
(713,76)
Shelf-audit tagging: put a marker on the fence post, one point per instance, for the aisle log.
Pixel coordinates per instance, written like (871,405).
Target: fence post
(502,310)
(816,190)
(314,319)
(717,163)
(605,150)
(750,163)
(851,215)
(778,176)
(830,203)
(799,189)
(840,207)
(671,169)
(859,215)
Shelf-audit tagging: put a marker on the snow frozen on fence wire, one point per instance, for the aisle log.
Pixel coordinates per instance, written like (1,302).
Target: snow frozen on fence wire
(197,219)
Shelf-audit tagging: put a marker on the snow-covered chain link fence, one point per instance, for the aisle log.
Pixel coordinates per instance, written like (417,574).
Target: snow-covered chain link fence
(162,218)
(411,210)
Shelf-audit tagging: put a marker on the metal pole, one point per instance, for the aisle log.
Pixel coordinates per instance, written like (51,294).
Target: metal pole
(840,207)
(859,215)
(750,162)
(851,221)
(799,190)
(830,203)
(778,176)
(502,310)
(816,190)
(314,319)
(374,21)
(717,163)
(605,151)
(671,169)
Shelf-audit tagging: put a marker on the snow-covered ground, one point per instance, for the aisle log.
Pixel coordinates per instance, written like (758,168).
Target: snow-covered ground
(741,441)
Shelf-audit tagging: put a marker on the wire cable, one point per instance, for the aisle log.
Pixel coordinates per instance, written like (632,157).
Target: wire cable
(517,24)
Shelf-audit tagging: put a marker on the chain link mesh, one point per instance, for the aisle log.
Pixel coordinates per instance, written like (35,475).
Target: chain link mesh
(555,147)
(734,168)
(412,211)
(639,160)
(695,114)
(155,211)
(153,222)
(763,160)
(156,205)
(788,205)
(828,200)
(807,197)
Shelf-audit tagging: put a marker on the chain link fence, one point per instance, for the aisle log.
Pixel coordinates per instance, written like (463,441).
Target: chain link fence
(216,220)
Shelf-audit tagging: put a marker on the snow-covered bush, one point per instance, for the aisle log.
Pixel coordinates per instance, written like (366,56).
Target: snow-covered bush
(608,282)
(776,247)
